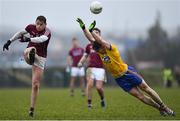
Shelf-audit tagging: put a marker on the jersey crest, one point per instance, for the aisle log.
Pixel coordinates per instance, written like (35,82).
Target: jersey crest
(106,59)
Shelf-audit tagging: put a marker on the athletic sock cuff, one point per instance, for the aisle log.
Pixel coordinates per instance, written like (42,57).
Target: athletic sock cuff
(89,101)
(31,109)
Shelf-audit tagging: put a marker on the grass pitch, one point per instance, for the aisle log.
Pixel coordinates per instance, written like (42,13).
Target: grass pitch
(57,104)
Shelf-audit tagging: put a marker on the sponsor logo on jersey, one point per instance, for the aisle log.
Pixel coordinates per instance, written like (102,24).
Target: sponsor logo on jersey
(106,59)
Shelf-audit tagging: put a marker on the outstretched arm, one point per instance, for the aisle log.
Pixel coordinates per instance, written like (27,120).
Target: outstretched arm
(18,35)
(88,35)
(100,40)
(15,37)
(86,32)
(97,37)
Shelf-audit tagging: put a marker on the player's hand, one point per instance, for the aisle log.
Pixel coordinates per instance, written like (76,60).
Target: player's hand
(80,65)
(92,25)
(27,39)
(6,45)
(82,25)
(68,69)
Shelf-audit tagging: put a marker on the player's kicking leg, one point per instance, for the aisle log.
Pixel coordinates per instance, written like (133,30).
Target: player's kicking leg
(29,55)
(163,108)
(32,54)
(99,87)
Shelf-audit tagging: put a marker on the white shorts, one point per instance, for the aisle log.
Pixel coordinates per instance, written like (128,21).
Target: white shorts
(75,71)
(96,74)
(40,62)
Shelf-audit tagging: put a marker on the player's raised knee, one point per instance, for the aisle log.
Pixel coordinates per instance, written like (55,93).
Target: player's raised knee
(28,55)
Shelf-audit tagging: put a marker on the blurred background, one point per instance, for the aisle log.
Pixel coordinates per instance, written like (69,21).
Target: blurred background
(147,33)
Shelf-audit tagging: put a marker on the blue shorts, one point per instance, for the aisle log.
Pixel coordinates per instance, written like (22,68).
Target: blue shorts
(129,80)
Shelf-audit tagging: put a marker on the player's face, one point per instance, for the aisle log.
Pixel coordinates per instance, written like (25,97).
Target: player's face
(75,43)
(40,25)
(97,32)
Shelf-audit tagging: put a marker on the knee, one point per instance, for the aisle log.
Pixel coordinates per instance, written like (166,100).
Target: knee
(140,97)
(26,58)
(89,85)
(35,84)
(98,87)
(146,88)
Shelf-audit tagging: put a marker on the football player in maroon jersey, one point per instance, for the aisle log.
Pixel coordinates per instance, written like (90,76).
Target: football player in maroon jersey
(75,54)
(95,73)
(35,54)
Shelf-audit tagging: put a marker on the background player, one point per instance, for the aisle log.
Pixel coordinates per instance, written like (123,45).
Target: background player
(75,54)
(95,72)
(35,54)
(126,77)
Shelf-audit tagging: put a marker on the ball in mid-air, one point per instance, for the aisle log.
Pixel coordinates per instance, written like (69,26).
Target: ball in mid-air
(96,7)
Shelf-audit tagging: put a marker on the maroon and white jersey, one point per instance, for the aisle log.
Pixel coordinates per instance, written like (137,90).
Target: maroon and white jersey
(94,59)
(41,48)
(76,54)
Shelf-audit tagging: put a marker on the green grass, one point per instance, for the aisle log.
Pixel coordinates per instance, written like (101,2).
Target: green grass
(57,104)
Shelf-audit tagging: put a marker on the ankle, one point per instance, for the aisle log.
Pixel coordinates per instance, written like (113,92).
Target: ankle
(102,98)
(31,109)
(89,101)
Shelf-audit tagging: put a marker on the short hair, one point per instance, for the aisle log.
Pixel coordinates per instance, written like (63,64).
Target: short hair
(96,45)
(97,29)
(41,18)
(74,39)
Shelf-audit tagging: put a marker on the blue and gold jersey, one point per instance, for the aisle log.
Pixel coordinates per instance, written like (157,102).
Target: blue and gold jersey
(113,62)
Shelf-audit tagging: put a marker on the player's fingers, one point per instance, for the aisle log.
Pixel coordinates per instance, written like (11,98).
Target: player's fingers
(94,22)
(4,47)
(78,20)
